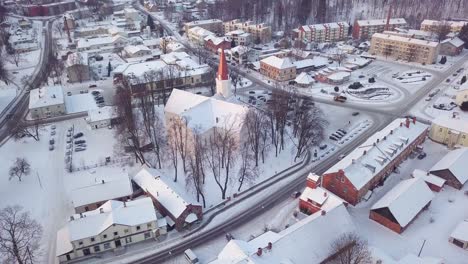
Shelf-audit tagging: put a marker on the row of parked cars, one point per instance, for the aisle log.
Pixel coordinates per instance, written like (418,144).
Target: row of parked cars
(340,133)
(98,98)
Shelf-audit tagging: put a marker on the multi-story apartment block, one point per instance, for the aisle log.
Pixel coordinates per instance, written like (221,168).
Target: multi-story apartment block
(279,69)
(433,25)
(365,168)
(239,37)
(329,32)
(261,33)
(112,226)
(402,48)
(213,25)
(364,29)
(449,131)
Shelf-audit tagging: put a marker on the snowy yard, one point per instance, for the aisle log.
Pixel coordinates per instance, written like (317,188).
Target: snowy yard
(7,93)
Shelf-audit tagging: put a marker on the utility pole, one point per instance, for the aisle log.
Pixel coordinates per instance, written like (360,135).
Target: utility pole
(424,242)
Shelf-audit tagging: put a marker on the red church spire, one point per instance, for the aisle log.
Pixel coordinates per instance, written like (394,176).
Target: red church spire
(222,68)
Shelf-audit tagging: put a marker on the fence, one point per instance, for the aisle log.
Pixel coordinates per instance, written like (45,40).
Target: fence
(125,160)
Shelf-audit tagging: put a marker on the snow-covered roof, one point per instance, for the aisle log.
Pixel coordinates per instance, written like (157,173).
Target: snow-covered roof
(203,22)
(461,231)
(103,113)
(429,22)
(451,123)
(326,199)
(63,244)
(304,78)
(457,42)
(199,31)
(45,96)
(338,76)
(204,113)
(313,177)
(377,22)
(94,222)
(101,192)
(413,259)
(279,63)
(312,235)
(427,177)
(300,64)
(152,182)
(214,39)
(406,200)
(367,160)
(358,61)
(420,42)
(99,41)
(132,49)
(455,161)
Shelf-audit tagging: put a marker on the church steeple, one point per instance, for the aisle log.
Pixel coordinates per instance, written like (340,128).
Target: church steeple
(223,83)
(222,68)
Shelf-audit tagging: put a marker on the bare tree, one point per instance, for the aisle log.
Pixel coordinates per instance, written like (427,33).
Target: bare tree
(4,74)
(23,129)
(20,236)
(20,168)
(172,147)
(58,26)
(256,124)
(221,154)
(164,43)
(349,248)
(16,57)
(171,78)
(128,129)
(247,171)
(339,56)
(310,130)
(442,30)
(235,79)
(278,115)
(196,168)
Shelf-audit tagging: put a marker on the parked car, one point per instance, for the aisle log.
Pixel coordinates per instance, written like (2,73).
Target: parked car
(78,135)
(95,93)
(52,133)
(355,113)
(422,155)
(51,147)
(92,86)
(323,146)
(69,93)
(343,131)
(333,138)
(80,141)
(79,149)
(295,195)
(340,157)
(252,92)
(51,141)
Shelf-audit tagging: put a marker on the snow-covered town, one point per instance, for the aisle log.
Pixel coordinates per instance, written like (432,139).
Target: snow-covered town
(234,131)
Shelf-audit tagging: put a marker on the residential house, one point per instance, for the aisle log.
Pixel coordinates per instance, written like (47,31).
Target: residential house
(401,48)
(304,80)
(90,197)
(452,168)
(197,35)
(214,44)
(170,202)
(112,226)
(100,45)
(77,67)
(449,131)
(106,116)
(365,29)
(368,165)
(46,102)
(459,236)
(435,183)
(133,51)
(400,206)
(243,54)
(451,46)
(278,69)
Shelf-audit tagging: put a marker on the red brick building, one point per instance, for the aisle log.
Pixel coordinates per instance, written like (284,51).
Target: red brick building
(214,44)
(401,205)
(452,168)
(169,202)
(371,163)
(315,198)
(435,183)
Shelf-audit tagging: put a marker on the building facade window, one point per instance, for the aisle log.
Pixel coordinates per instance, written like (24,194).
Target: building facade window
(107,245)
(147,235)
(128,240)
(97,248)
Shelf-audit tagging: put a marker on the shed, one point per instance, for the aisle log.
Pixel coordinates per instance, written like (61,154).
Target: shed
(435,183)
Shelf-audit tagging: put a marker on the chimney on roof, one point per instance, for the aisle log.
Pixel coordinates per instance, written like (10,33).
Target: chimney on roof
(324,212)
(125,204)
(259,251)
(103,181)
(401,124)
(364,152)
(101,210)
(81,215)
(324,194)
(72,218)
(391,132)
(378,140)
(270,245)
(385,138)
(407,123)
(414,120)
(157,194)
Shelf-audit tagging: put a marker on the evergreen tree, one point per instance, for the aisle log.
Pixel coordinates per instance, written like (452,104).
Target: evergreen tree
(463,79)
(443,60)
(150,22)
(109,69)
(233,43)
(463,35)
(464,106)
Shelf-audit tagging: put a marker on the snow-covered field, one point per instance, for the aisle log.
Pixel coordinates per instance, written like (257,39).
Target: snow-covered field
(7,93)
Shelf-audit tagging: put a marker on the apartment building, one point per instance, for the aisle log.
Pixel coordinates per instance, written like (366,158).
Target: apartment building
(197,35)
(279,69)
(240,37)
(364,29)
(402,48)
(449,131)
(433,25)
(213,25)
(328,32)
(112,226)
(261,33)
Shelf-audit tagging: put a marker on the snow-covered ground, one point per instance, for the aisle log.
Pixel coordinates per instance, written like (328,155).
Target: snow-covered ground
(7,93)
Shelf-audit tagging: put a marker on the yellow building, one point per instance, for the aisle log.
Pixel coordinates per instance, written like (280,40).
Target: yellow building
(403,48)
(213,25)
(433,25)
(260,32)
(279,69)
(449,131)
